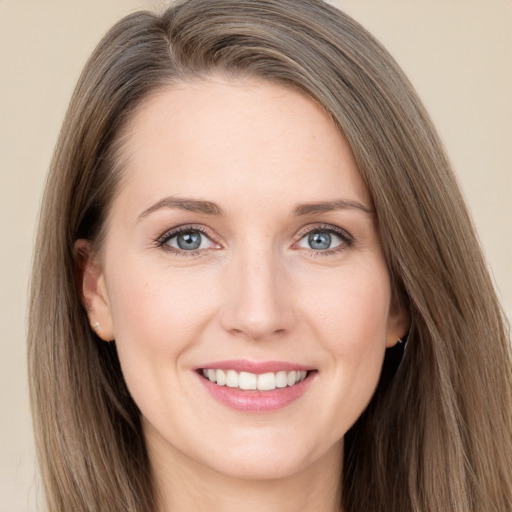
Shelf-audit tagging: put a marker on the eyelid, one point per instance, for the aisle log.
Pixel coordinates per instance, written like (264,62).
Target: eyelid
(162,240)
(348,239)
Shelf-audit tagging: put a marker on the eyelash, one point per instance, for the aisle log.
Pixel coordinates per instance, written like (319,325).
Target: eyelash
(168,235)
(347,239)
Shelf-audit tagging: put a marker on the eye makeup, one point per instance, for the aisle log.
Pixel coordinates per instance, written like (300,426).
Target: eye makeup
(194,240)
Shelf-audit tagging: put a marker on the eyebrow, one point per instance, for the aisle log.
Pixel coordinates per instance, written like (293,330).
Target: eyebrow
(189,205)
(328,206)
(209,208)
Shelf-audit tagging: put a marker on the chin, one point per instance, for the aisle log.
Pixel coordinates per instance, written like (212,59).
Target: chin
(278,456)
(276,467)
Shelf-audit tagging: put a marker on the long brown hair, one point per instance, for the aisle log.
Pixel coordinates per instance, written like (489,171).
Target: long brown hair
(437,435)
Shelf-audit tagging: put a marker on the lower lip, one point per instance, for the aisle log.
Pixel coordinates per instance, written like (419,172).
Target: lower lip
(257,401)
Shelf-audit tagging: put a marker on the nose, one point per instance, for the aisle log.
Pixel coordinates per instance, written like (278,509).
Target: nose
(258,303)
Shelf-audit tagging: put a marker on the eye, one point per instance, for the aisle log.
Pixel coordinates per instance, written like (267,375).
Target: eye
(186,239)
(323,239)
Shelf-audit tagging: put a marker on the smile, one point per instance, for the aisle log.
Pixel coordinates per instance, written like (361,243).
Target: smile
(256,387)
(252,381)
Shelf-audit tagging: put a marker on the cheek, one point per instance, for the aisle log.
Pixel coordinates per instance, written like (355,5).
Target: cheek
(157,315)
(350,322)
(157,320)
(154,305)
(350,307)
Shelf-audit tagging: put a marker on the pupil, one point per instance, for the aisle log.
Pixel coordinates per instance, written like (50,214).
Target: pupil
(189,241)
(319,240)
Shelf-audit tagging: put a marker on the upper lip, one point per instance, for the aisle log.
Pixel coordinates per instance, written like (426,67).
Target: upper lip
(257,367)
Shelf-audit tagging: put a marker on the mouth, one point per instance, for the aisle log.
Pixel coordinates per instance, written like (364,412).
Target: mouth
(248,381)
(256,387)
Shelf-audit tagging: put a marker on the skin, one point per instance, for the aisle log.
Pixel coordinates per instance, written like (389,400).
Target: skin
(255,290)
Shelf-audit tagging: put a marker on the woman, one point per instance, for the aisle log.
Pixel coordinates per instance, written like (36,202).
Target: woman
(249,198)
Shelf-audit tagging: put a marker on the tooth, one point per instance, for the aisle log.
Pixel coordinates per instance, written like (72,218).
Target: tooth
(250,381)
(281,380)
(292,378)
(267,381)
(221,377)
(231,379)
(247,380)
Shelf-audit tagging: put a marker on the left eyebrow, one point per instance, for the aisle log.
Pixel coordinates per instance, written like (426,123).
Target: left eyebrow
(328,206)
(181,203)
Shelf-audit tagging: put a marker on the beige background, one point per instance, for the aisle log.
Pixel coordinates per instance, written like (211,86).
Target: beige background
(457,53)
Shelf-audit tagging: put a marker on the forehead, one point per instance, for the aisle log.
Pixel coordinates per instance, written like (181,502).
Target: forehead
(227,137)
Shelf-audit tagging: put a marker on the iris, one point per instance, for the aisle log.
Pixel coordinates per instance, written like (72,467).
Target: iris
(319,240)
(189,240)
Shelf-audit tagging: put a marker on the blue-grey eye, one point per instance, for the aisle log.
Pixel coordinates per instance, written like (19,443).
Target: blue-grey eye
(320,240)
(190,240)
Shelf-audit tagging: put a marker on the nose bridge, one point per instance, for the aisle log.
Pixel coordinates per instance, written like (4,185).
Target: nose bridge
(257,304)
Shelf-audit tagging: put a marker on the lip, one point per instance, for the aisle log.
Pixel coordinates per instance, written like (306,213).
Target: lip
(256,401)
(257,367)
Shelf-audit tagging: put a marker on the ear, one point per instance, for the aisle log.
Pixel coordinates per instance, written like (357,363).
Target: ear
(399,322)
(91,281)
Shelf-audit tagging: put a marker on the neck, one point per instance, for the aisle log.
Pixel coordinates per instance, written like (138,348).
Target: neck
(183,484)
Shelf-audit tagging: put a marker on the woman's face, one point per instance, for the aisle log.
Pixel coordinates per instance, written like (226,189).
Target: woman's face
(242,252)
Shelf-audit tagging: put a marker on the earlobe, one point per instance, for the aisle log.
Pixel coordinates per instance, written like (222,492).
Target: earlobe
(399,323)
(395,339)
(93,290)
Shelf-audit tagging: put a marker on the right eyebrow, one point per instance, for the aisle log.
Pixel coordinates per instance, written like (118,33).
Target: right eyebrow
(183,203)
(328,206)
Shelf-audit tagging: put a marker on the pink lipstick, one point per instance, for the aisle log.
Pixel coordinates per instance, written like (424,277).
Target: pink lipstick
(255,386)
